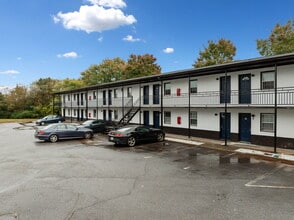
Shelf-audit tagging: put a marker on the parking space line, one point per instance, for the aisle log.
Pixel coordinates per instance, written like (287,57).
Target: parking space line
(252,183)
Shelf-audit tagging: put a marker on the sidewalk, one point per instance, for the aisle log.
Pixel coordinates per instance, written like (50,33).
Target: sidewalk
(257,151)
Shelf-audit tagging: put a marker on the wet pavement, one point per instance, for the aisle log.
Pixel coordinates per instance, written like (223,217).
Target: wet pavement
(93,179)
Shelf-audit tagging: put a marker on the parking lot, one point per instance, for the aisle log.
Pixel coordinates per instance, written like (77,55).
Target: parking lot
(93,179)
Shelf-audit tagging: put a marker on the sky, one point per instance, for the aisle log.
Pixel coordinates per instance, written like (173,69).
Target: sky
(62,38)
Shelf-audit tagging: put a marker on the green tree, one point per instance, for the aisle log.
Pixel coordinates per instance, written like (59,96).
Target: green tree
(68,84)
(4,113)
(41,95)
(280,41)
(107,71)
(141,65)
(220,52)
(17,100)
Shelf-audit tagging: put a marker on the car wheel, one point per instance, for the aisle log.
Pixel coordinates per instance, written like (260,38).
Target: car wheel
(160,137)
(53,138)
(131,141)
(88,135)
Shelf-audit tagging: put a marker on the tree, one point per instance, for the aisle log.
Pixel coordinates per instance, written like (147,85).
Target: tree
(216,53)
(41,95)
(107,71)
(68,84)
(17,99)
(280,41)
(141,65)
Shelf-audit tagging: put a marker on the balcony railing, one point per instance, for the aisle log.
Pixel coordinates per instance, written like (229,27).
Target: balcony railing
(285,97)
(266,98)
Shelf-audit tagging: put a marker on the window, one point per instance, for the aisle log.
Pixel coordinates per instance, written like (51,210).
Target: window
(94,113)
(94,95)
(267,122)
(129,92)
(68,97)
(167,117)
(193,86)
(68,111)
(115,93)
(268,80)
(193,118)
(115,114)
(75,97)
(167,89)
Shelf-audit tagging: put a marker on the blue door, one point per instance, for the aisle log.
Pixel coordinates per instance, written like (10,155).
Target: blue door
(225,89)
(156,119)
(225,125)
(146,118)
(156,94)
(245,89)
(245,127)
(146,95)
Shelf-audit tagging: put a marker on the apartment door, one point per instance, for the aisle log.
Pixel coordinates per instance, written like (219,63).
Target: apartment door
(82,114)
(146,95)
(225,125)
(245,89)
(225,89)
(109,97)
(104,115)
(156,94)
(156,119)
(110,115)
(146,118)
(245,127)
(104,97)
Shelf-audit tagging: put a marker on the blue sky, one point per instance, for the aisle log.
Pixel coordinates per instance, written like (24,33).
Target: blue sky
(62,38)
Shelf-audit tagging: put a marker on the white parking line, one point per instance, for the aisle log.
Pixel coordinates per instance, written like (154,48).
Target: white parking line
(252,183)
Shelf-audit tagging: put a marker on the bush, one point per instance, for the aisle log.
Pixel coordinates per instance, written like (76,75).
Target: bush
(24,114)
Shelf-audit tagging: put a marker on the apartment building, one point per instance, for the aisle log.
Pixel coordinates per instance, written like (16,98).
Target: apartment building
(248,101)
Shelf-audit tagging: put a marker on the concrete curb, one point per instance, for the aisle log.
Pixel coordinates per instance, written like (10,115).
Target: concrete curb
(263,155)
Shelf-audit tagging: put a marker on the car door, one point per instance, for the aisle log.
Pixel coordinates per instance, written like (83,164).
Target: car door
(143,133)
(72,131)
(61,131)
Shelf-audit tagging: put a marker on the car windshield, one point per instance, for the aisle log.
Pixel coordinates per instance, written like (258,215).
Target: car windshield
(125,129)
(87,122)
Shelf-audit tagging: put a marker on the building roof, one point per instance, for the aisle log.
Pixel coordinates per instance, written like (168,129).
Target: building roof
(261,62)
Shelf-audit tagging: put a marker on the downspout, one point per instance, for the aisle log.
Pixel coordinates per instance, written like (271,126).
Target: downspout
(226,109)
(189,108)
(71,97)
(87,107)
(276,111)
(161,105)
(140,99)
(122,102)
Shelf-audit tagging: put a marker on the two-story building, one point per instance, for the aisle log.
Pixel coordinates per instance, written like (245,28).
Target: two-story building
(248,101)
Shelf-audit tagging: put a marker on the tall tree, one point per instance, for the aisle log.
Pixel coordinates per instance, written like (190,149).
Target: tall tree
(141,65)
(68,84)
(17,99)
(41,95)
(280,41)
(107,71)
(220,52)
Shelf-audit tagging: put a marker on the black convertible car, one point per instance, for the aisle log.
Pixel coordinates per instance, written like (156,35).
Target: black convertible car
(132,134)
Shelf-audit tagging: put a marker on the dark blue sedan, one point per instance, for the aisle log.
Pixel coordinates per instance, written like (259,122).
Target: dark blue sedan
(59,131)
(49,119)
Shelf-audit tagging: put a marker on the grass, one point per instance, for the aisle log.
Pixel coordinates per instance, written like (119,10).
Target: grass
(11,120)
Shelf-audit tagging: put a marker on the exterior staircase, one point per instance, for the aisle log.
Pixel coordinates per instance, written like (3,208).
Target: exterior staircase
(133,109)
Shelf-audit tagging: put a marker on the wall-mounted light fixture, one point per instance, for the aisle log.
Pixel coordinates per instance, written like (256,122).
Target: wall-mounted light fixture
(215,114)
(252,115)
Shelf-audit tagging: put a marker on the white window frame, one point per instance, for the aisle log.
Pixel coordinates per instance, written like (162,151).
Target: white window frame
(267,80)
(167,117)
(167,88)
(267,122)
(193,118)
(193,90)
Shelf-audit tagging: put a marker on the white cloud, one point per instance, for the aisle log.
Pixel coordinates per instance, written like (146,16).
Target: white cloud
(9,72)
(130,38)
(168,50)
(96,17)
(19,58)
(68,55)
(100,39)
(109,3)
